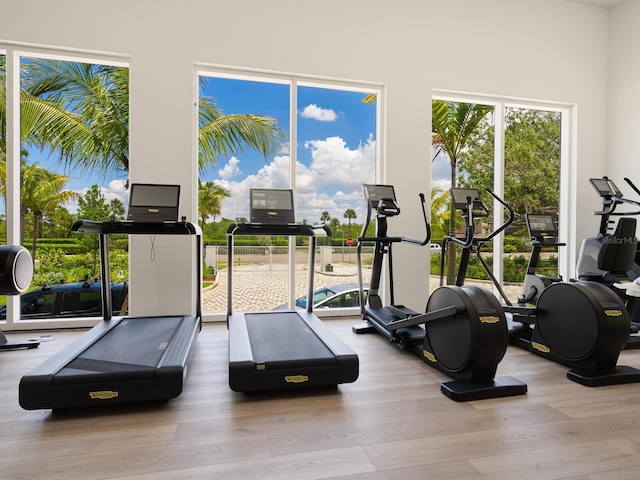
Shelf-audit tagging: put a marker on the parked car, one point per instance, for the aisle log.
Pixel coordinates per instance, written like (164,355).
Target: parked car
(68,300)
(435,248)
(342,295)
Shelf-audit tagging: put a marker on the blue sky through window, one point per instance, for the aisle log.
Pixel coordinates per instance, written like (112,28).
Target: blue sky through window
(335,147)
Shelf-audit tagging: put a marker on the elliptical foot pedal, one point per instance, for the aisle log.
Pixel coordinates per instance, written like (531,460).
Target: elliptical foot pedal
(364,327)
(465,391)
(610,376)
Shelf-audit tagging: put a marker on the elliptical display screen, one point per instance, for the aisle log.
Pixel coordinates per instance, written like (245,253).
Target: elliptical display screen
(541,226)
(375,193)
(602,186)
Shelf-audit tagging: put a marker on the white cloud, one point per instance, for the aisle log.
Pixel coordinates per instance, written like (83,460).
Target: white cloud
(333,164)
(315,112)
(230,169)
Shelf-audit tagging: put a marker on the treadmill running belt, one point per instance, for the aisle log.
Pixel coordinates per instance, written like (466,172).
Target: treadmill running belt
(137,343)
(285,339)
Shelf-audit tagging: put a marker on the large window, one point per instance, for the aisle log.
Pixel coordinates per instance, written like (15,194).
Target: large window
(326,151)
(520,152)
(64,155)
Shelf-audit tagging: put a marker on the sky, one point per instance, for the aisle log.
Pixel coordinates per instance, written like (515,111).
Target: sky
(336,147)
(336,151)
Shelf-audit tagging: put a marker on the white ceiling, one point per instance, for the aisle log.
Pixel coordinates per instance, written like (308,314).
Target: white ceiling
(600,3)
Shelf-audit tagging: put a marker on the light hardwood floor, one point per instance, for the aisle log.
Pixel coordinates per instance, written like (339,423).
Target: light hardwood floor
(392,423)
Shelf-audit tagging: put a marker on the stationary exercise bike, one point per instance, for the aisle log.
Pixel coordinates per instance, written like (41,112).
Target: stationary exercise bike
(463,333)
(591,248)
(583,325)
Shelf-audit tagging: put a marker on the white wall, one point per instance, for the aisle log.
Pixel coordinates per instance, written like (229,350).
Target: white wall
(535,49)
(623,125)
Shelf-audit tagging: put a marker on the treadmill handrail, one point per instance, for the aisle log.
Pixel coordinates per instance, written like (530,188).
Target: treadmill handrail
(109,227)
(128,227)
(286,229)
(278,229)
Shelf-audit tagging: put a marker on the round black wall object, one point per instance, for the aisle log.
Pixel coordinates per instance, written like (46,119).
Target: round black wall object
(16,269)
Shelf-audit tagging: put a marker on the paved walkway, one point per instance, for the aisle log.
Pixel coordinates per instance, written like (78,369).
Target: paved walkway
(263,287)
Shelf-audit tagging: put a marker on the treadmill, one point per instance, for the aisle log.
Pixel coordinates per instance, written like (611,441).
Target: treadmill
(124,359)
(270,350)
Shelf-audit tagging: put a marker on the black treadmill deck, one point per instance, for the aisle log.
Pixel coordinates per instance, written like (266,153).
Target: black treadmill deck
(135,358)
(85,373)
(284,340)
(274,350)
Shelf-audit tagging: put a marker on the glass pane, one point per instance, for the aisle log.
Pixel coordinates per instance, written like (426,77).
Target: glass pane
(532,185)
(69,172)
(336,155)
(233,162)
(462,157)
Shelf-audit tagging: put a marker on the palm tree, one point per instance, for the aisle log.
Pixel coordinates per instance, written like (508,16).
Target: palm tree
(116,208)
(325,217)
(452,125)
(210,196)
(439,213)
(221,135)
(349,214)
(37,117)
(94,132)
(40,194)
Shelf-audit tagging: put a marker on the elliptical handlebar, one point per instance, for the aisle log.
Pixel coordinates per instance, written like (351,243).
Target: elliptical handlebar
(426,223)
(508,222)
(470,229)
(632,185)
(364,238)
(470,237)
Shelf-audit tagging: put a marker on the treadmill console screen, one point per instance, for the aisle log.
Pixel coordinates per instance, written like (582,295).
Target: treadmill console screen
(153,202)
(270,205)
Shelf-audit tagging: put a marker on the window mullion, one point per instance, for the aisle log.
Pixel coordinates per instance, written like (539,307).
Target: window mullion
(293,156)
(498,188)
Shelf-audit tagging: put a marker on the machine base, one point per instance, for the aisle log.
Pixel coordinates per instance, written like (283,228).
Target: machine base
(462,391)
(610,376)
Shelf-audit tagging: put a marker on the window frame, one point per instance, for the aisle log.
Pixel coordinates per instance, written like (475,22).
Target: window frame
(567,230)
(294,81)
(13,52)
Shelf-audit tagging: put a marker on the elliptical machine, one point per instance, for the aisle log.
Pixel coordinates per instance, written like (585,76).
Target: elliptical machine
(612,198)
(464,331)
(583,325)
(544,234)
